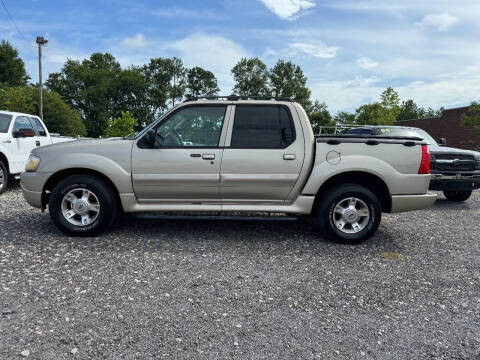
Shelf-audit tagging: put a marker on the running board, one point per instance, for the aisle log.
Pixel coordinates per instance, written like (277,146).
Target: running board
(153,216)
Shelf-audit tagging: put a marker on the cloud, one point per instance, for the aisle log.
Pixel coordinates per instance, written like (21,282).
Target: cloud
(287,9)
(448,90)
(212,52)
(442,22)
(366,63)
(135,42)
(315,49)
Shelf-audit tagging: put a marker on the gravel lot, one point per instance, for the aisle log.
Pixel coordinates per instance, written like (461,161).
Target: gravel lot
(240,289)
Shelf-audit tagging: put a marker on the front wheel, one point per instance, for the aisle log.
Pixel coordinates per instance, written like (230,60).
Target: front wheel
(3,177)
(349,213)
(458,196)
(83,205)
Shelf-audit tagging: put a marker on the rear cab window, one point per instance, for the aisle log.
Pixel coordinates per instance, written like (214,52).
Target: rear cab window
(262,127)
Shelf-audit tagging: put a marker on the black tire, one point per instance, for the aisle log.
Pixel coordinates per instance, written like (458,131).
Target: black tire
(3,177)
(458,196)
(326,215)
(106,198)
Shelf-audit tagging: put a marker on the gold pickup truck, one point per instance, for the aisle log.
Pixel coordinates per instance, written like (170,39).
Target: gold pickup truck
(231,154)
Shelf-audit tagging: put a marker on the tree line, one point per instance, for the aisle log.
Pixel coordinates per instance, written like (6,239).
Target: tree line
(97,97)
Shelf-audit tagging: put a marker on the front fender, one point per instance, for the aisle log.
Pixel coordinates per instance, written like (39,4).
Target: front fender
(118,173)
(397,183)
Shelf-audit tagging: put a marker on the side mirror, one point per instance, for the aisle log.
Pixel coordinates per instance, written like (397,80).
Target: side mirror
(23,133)
(442,142)
(148,141)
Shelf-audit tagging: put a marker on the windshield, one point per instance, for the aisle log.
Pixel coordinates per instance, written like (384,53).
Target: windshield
(391,131)
(5,122)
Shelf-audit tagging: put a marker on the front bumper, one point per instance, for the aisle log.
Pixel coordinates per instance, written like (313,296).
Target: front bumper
(401,203)
(454,182)
(32,184)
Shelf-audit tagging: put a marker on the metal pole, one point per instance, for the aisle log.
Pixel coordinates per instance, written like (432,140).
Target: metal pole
(40,80)
(40,41)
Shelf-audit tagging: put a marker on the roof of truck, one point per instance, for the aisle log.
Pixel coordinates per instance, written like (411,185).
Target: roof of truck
(14,113)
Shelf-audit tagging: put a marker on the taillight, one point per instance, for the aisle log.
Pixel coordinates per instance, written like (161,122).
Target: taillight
(425,164)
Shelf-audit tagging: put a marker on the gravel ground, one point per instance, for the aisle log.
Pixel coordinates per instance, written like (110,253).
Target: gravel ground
(240,289)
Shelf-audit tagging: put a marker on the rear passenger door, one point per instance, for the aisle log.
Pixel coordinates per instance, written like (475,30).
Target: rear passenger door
(41,138)
(263,155)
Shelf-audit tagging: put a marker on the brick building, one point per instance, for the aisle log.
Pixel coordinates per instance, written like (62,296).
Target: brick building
(449,127)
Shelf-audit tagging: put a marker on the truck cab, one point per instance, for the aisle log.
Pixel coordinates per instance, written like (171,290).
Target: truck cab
(19,134)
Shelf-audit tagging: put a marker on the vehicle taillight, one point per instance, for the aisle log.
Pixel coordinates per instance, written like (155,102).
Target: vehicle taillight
(425,164)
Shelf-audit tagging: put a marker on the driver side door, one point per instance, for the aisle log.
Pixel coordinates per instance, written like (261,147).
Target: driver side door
(22,146)
(183,167)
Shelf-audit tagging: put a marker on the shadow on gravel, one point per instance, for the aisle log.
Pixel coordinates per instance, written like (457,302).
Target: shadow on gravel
(452,205)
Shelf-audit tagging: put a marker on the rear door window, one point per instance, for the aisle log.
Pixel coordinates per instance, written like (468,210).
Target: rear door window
(262,127)
(38,125)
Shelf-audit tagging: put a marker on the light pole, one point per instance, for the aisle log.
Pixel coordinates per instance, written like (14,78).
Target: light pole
(40,41)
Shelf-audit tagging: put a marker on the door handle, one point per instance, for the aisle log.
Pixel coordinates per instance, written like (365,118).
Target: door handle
(289,157)
(208,156)
(7,141)
(37,143)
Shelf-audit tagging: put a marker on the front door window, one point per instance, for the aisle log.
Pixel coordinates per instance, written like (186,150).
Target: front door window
(192,127)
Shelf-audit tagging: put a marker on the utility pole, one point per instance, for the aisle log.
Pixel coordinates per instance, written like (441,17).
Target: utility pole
(41,42)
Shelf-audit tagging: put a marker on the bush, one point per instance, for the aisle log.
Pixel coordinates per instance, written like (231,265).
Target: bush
(121,126)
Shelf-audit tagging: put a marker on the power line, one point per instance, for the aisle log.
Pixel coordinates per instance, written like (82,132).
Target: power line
(14,23)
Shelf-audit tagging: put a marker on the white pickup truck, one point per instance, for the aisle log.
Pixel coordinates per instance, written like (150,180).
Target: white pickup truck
(231,154)
(19,135)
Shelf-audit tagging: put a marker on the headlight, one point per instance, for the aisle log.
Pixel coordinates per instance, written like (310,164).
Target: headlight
(32,163)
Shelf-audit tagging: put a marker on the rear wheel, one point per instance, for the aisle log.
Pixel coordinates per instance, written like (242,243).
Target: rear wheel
(83,205)
(458,196)
(349,213)
(3,177)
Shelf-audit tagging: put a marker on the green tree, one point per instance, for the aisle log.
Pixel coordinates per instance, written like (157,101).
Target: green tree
(58,116)
(166,79)
(374,114)
(19,99)
(288,80)
(178,82)
(251,78)
(390,100)
(88,86)
(320,116)
(121,126)
(472,117)
(410,110)
(131,92)
(12,68)
(344,118)
(201,82)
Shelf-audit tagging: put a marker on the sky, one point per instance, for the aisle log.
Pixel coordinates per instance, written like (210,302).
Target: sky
(350,50)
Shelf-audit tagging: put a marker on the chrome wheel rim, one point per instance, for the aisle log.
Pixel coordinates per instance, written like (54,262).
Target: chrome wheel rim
(80,207)
(351,215)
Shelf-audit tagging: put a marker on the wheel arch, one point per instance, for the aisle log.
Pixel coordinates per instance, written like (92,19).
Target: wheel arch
(3,158)
(63,174)
(370,181)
